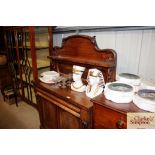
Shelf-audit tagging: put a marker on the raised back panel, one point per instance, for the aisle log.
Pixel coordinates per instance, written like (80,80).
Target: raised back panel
(82,50)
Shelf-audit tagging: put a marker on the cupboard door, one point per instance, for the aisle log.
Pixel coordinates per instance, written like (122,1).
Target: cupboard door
(68,120)
(48,114)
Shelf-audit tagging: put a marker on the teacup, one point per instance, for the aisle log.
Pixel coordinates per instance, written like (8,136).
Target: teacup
(50,76)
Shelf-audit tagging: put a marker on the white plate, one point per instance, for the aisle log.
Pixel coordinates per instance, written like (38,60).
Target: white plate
(42,80)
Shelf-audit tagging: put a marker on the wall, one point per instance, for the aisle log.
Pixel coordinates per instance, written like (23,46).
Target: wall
(135,49)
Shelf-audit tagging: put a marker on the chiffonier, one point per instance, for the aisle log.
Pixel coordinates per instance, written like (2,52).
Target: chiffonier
(61,107)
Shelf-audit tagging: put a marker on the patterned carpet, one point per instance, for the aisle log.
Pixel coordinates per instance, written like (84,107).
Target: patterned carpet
(21,117)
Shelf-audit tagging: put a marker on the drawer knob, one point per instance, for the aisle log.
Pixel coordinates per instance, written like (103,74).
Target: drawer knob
(120,124)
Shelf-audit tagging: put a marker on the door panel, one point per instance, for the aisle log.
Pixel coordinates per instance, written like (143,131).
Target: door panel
(49,114)
(68,121)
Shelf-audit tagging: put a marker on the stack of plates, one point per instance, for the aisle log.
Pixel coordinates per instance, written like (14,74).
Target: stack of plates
(119,92)
(130,79)
(145,99)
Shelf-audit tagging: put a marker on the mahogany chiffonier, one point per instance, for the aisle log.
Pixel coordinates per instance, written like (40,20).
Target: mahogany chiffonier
(62,107)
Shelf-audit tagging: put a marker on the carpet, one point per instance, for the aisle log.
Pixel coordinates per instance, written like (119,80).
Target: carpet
(22,117)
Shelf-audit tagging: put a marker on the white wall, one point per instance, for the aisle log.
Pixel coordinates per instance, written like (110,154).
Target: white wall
(135,49)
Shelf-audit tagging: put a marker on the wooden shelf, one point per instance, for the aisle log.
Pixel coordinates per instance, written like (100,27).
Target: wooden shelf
(82,61)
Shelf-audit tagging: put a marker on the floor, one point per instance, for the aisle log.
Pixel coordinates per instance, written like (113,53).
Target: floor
(22,117)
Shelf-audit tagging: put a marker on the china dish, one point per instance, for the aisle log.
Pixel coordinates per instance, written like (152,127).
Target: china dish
(128,78)
(50,73)
(49,82)
(147,94)
(145,99)
(49,76)
(119,92)
(120,87)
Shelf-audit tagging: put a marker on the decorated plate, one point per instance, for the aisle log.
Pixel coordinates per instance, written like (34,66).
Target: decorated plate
(129,76)
(147,94)
(122,87)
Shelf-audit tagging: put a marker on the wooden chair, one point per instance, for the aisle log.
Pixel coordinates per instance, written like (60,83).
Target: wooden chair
(12,89)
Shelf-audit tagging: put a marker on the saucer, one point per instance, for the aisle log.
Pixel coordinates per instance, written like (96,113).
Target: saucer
(49,82)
